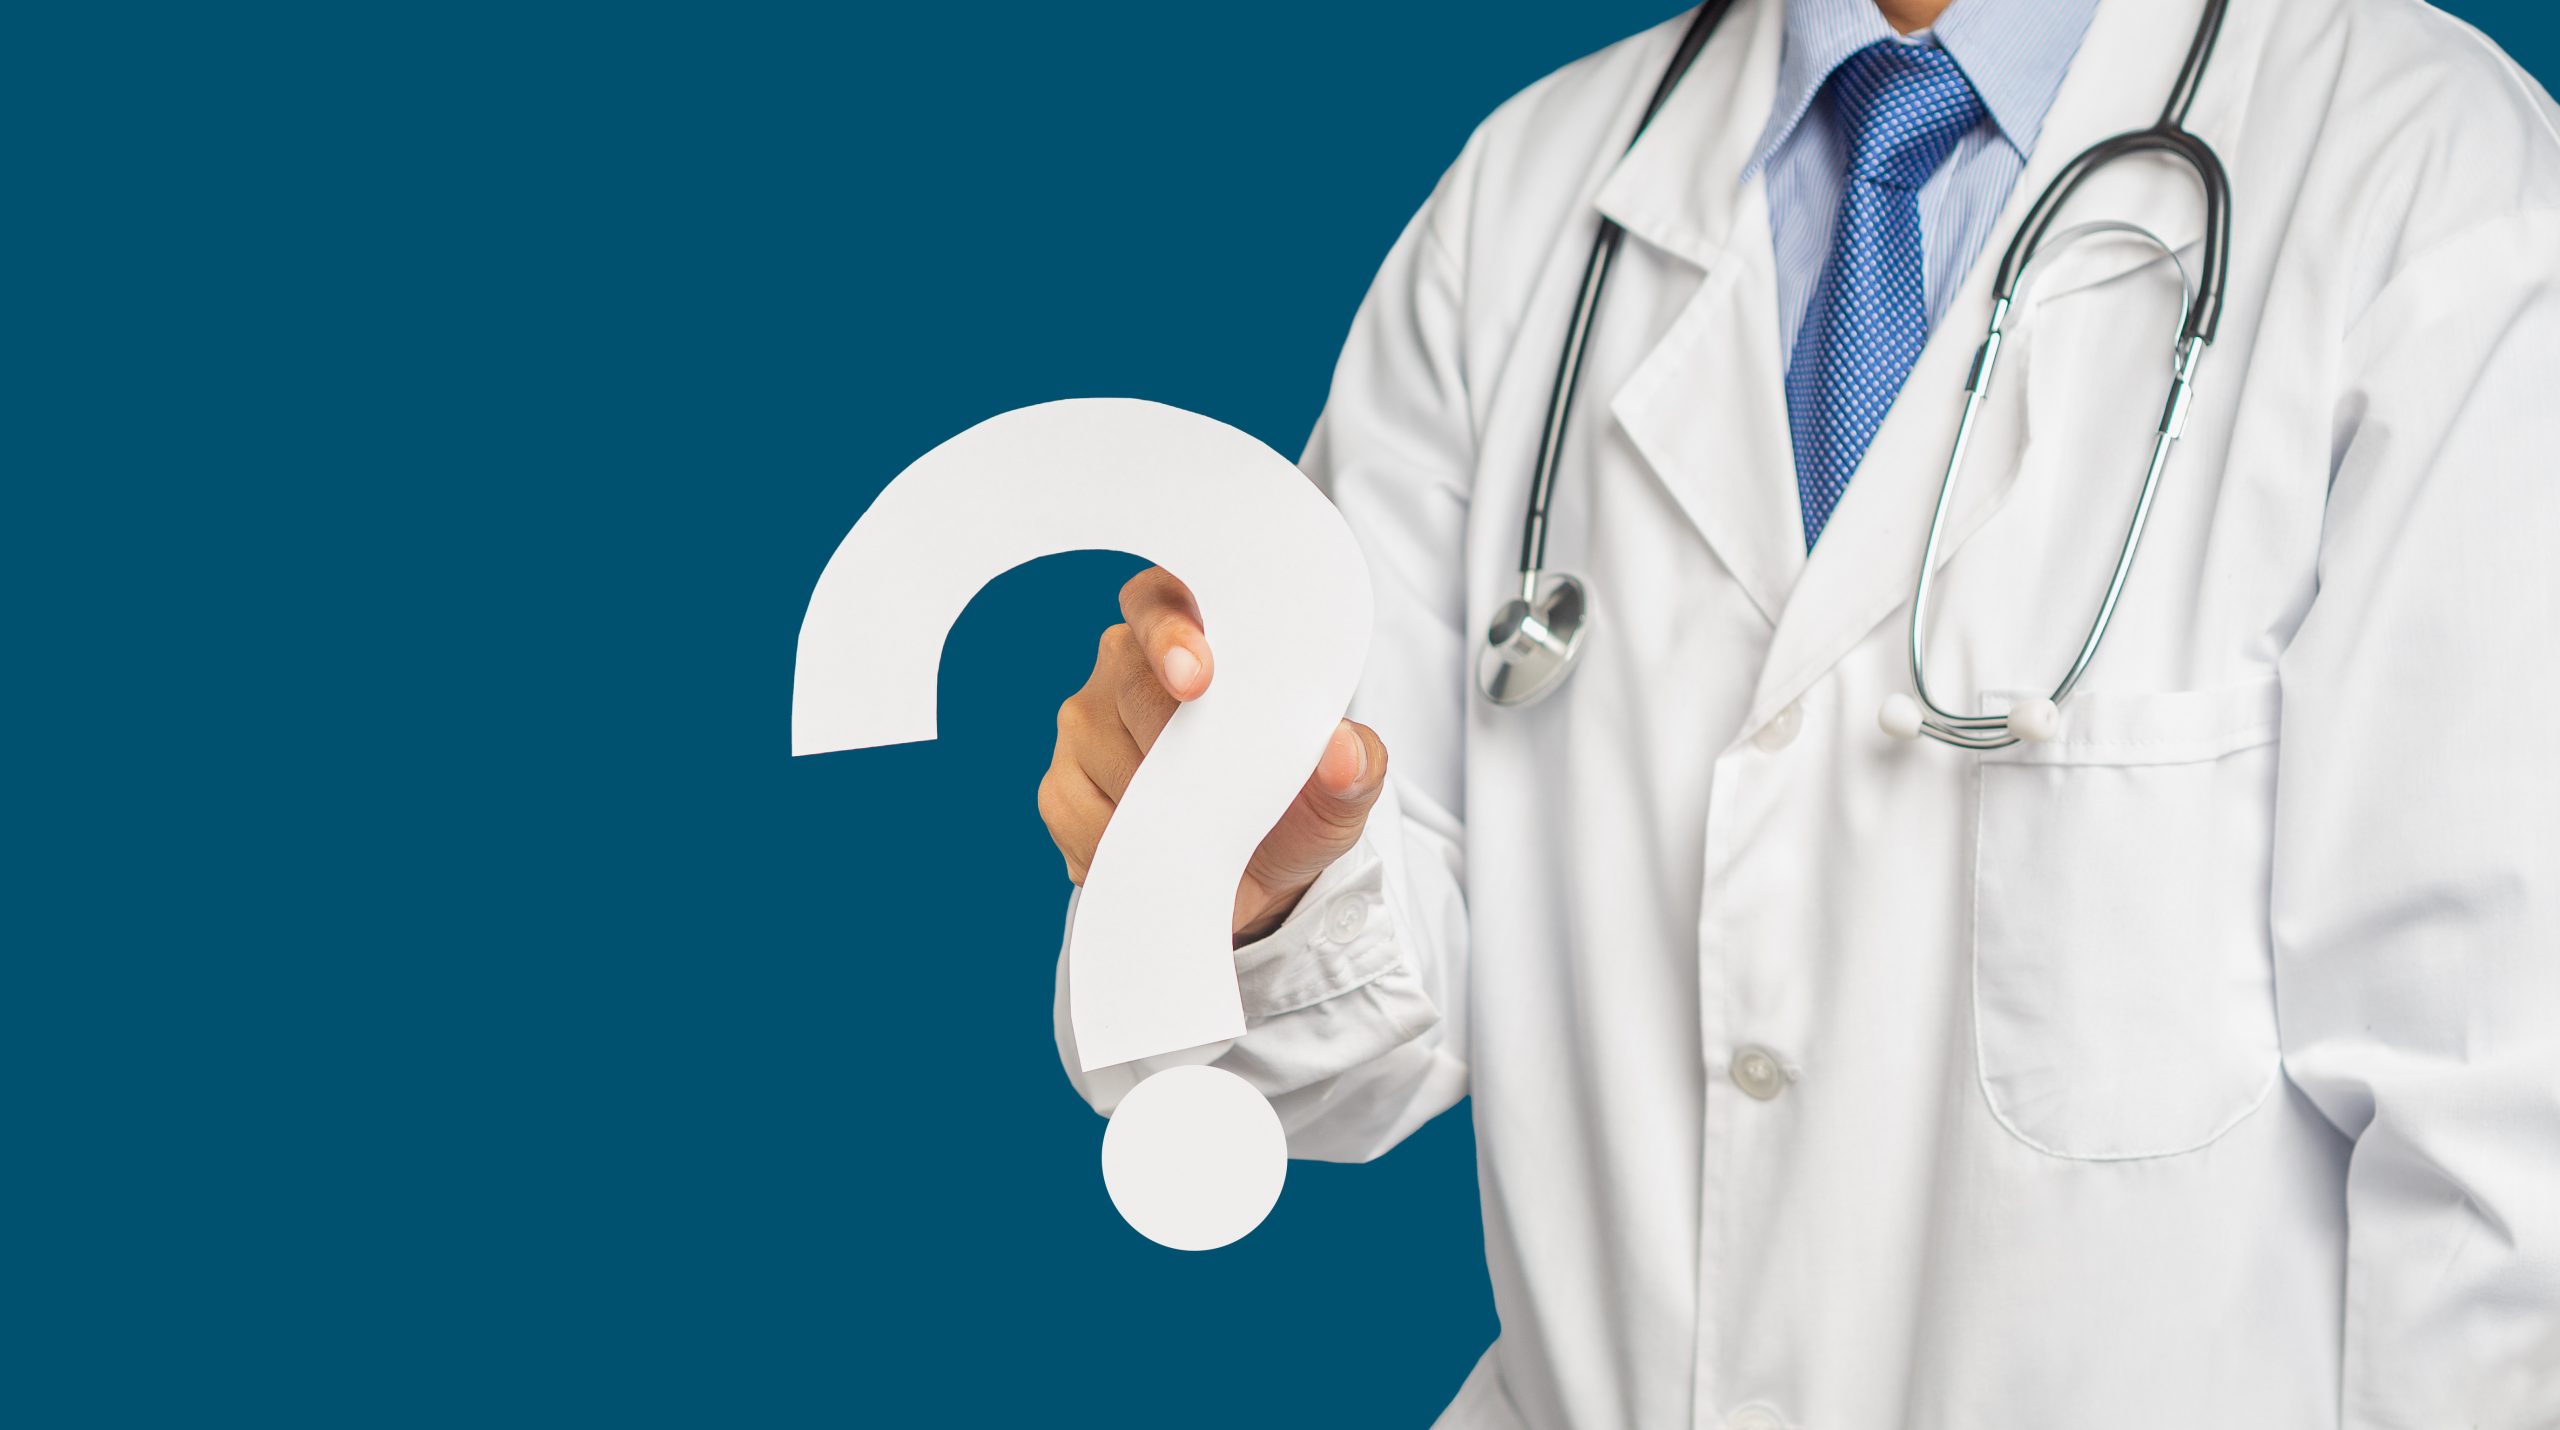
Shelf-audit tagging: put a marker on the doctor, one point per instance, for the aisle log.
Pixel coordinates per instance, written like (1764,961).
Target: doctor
(2198,1066)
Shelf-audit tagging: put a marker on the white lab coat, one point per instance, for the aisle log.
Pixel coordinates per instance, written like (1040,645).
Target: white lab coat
(2200,1068)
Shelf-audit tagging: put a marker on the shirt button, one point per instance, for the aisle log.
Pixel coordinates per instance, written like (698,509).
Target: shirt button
(1756,1071)
(1782,729)
(1754,1417)
(1346,918)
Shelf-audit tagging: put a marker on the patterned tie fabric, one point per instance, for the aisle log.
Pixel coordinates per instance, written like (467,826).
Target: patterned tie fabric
(1903,107)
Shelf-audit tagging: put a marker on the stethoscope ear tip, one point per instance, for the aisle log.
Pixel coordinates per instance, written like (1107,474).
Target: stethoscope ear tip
(2035,721)
(1900,716)
(2029,721)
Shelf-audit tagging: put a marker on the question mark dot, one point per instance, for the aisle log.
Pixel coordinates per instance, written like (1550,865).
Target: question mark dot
(1194,1158)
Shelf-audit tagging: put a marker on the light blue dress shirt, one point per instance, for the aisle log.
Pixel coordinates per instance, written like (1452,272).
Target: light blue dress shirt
(2015,52)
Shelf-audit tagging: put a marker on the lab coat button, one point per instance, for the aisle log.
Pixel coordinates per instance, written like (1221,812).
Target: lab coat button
(1782,729)
(1756,1071)
(1754,1417)
(1346,918)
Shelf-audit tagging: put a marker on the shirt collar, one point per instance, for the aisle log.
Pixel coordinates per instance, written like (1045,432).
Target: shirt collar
(2013,52)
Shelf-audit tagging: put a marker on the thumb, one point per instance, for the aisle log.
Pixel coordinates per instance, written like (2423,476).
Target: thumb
(1320,826)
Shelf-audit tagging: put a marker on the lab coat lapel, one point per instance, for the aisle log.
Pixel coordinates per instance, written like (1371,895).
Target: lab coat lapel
(1863,567)
(1704,408)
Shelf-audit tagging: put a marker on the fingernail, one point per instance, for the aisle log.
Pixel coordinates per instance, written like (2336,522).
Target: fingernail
(1345,760)
(1181,670)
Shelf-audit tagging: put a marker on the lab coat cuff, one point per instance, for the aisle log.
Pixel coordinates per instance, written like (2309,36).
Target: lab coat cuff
(1339,938)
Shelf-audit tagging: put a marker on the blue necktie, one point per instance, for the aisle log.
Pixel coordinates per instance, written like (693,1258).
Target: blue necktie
(1902,107)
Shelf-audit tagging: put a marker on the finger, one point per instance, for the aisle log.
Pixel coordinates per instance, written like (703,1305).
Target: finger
(1143,705)
(1351,758)
(1091,737)
(1076,813)
(1326,818)
(1104,750)
(1166,622)
(1347,778)
(1126,687)
(1101,726)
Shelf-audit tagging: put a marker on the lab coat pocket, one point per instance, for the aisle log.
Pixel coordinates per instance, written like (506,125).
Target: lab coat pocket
(2123,990)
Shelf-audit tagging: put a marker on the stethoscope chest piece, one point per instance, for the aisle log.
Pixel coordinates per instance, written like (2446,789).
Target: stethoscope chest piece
(1531,645)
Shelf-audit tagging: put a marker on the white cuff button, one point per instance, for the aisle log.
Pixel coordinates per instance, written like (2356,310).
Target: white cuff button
(1346,918)
(1754,1417)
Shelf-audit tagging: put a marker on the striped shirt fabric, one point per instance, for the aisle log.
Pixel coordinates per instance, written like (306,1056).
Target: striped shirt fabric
(2014,52)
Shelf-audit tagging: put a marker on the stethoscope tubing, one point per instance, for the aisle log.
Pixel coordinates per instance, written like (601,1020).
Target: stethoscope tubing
(2198,325)
(1586,305)
(2204,315)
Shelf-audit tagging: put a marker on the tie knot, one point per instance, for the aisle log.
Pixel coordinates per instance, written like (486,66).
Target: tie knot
(1904,106)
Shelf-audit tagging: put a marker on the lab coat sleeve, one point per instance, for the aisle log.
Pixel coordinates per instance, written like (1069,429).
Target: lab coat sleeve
(1354,1006)
(2416,912)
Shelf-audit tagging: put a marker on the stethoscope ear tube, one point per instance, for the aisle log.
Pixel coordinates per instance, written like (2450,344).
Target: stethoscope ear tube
(1534,639)
(2038,718)
(2204,314)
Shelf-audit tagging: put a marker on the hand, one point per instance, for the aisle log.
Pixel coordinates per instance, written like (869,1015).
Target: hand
(1145,669)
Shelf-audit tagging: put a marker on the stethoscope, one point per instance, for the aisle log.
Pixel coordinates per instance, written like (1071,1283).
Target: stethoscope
(1531,646)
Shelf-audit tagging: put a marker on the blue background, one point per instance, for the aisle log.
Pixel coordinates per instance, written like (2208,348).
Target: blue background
(437,996)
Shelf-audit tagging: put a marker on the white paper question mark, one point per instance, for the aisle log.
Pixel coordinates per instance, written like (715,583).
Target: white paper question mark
(1194,1157)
